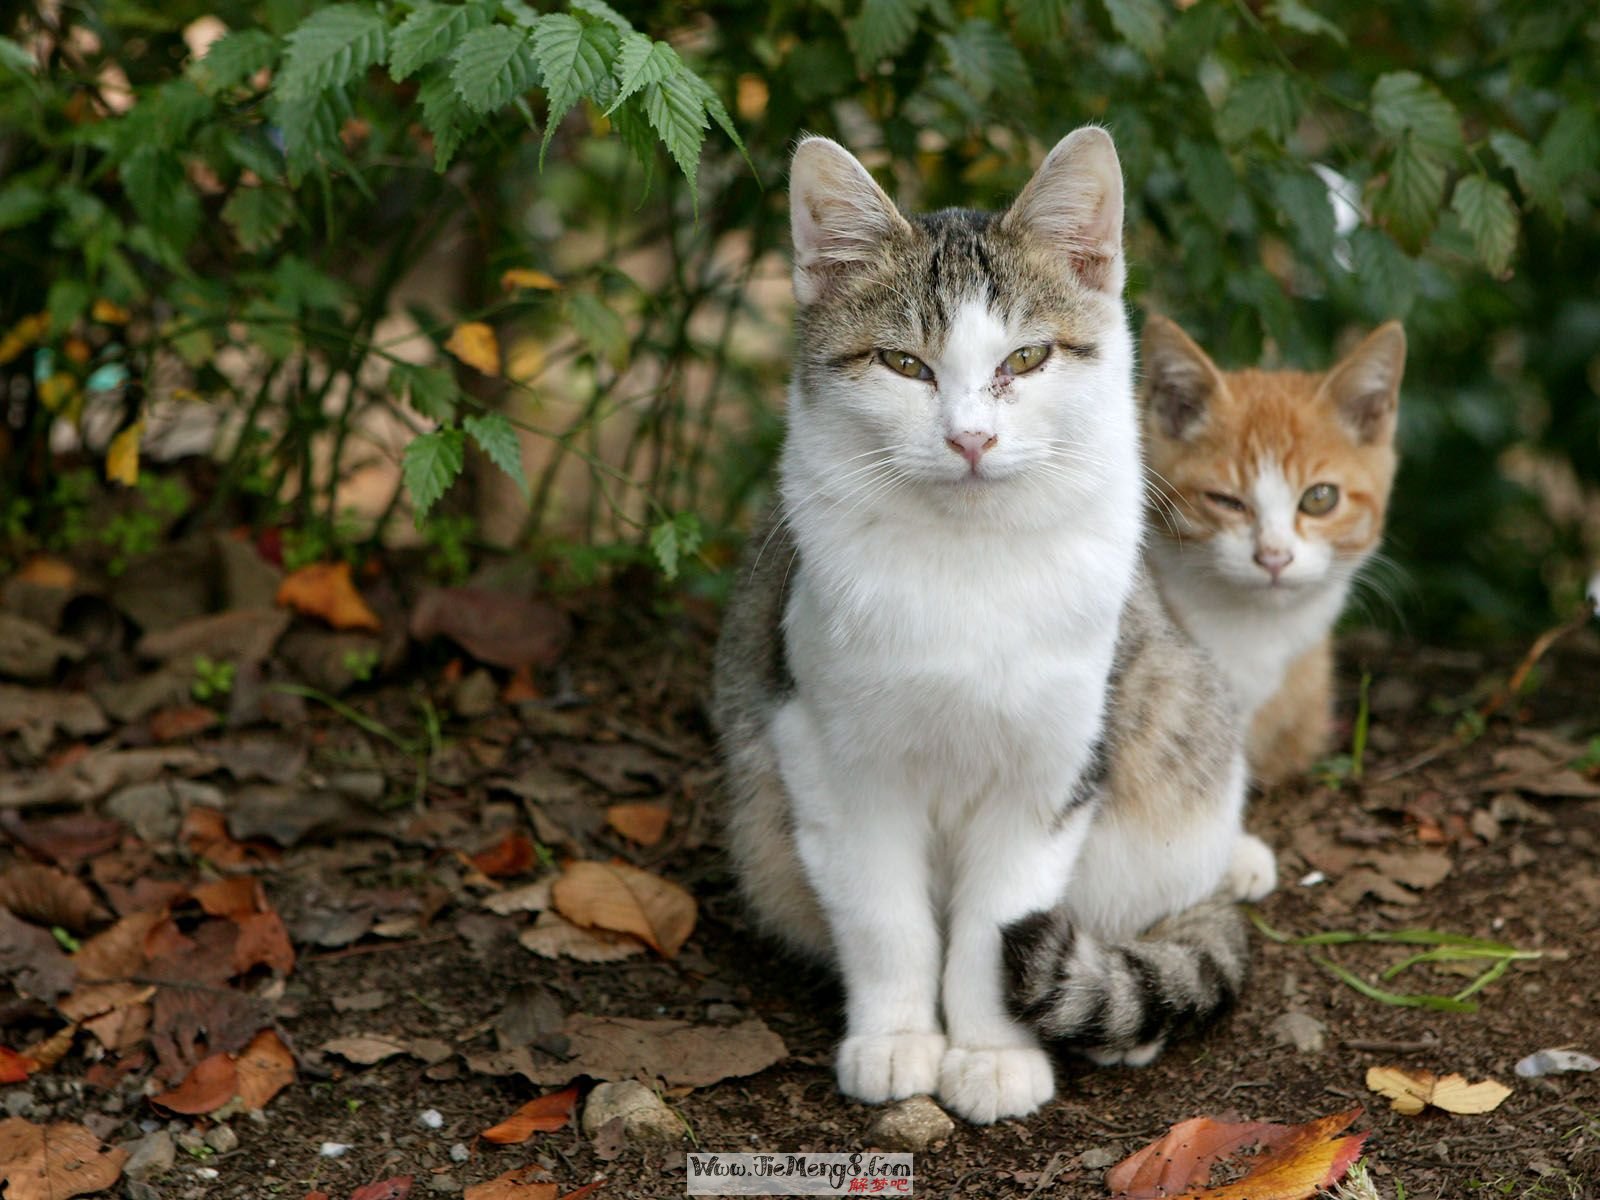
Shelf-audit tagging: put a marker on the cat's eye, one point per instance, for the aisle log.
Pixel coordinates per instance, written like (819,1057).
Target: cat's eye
(1319,499)
(1225,501)
(1021,361)
(905,364)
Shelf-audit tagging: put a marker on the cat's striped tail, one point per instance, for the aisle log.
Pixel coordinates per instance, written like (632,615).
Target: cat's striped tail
(1120,1002)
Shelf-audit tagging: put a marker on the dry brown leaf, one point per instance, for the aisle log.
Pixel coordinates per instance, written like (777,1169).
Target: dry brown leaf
(264,1068)
(124,1025)
(366,1048)
(43,571)
(527,277)
(54,1162)
(48,896)
(397,1188)
(642,823)
(527,897)
(676,1051)
(523,1183)
(474,343)
(1410,1092)
(326,590)
(553,936)
(175,724)
(235,895)
(1298,1162)
(511,855)
(543,1114)
(494,627)
(211,1084)
(624,899)
(263,941)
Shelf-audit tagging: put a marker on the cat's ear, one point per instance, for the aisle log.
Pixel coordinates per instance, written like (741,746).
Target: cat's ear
(1180,380)
(1364,388)
(1074,203)
(837,214)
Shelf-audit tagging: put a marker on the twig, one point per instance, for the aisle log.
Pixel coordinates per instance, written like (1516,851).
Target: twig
(1540,647)
(378,948)
(1378,1045)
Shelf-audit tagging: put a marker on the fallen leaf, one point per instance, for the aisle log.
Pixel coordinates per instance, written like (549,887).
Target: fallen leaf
(211,1084)
(553,936)
(527,277)
(586,1190)
(236,895)
(494,627)
(43,571)
(263,941)
(1299,1161)
(528,897)
(68,839)
(474,343)
(109,312)
(519,1184)
(642,823)
(49,896)
(32,961)
(624,899)
(54,1162)
(545,1114)
(511,855)
(677,1051)
(1410,1092)
(365,1049)
(397,1188)
(14,1067)
(264,1068)
(326,590)
(122,456)
(175,724)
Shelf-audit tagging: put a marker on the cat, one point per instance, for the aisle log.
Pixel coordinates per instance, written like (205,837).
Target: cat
(1273,490)
(966,751)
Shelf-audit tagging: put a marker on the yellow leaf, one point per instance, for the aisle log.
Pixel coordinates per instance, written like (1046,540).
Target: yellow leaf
(109,312)
(57,391)
(122,456)
(326,590)
(474,343)
(1410,1092)
(22,335)
(527,277)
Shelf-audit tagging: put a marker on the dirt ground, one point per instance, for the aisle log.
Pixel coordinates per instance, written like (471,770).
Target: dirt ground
(1493,836)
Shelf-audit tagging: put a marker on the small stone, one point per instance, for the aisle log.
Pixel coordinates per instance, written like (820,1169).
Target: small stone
(444,1183)
(475,695)
(459,1153)
(191,1142)
(431,1118)
(222,1139)
(1301,1030)
(1097,1158)
(150,1155)
(333,1149)
(913,1125)
(207,1173)
(19,1103)
(645,1117)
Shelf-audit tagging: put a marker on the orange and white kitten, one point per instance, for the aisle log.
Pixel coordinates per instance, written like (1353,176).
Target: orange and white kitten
(1275,485)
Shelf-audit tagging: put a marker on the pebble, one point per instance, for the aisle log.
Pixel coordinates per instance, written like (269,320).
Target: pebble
(459,1153)
(645,1117)
(222,1139)
(1097,1158)
(1302,1031)
(445,1183)
(333,1149)
(191,1142)
(150,1155)
(19,1103)
(431,1118)
(915,1124)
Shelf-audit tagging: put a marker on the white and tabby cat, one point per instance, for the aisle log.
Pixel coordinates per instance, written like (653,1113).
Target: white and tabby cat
(948,701)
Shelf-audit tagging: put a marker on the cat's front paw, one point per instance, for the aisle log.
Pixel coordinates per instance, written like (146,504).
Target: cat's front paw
(890,1066)
(1126,1056)
(983,1086)
(1252,869)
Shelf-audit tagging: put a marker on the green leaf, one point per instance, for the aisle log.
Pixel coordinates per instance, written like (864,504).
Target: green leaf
(310,130)
(429,33)
(602,11)
(330,49)
(20,203)
(634,128)
(600,329)
(674,539)
(983,59)
(1532,177)
(1305,207)
(1267,101)
(678,115)
(642,61)
(1300,17)
(232,59)
(154,180)
(257,215)
(492,65)
(1209,177)
(882,30)
(67,300)
(1039,20)
(575,60)
(431,463)
(497,439)
(16,58)
(1571,144)
(1410,199)
(1488,215)
(1407,107)
(1141,23)
(1387,277)
(430,391)
(445,115)
(717,111)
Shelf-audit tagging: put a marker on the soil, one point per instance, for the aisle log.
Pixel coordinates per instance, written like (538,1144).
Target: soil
(1452,833)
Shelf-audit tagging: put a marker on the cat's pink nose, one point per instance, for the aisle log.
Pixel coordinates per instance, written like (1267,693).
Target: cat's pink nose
(1273,561)
(971,445)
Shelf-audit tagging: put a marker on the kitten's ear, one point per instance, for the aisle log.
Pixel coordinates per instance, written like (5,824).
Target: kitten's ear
(1074,202)
(837,214)
(1365,387)
(1179,379)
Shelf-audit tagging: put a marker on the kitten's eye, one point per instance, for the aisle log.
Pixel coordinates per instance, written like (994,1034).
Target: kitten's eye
(1319,499)
(1223,500)
(1020,362)
(905,364)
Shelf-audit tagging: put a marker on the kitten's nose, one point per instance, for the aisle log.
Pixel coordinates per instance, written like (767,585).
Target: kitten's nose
(1273,561)
(971,445)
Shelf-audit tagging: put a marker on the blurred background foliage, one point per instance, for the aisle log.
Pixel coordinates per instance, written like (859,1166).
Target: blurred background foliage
(322,263)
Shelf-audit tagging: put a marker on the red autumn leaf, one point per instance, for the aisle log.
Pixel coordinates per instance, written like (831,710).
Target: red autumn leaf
(175,724)
(545,1114)
(326,590)
(397,1188)
(262,941)
(207,1088)
(517,1184)
(14,1067)
(264,1068)
(234,896)
(512,855)
(1300,1160)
